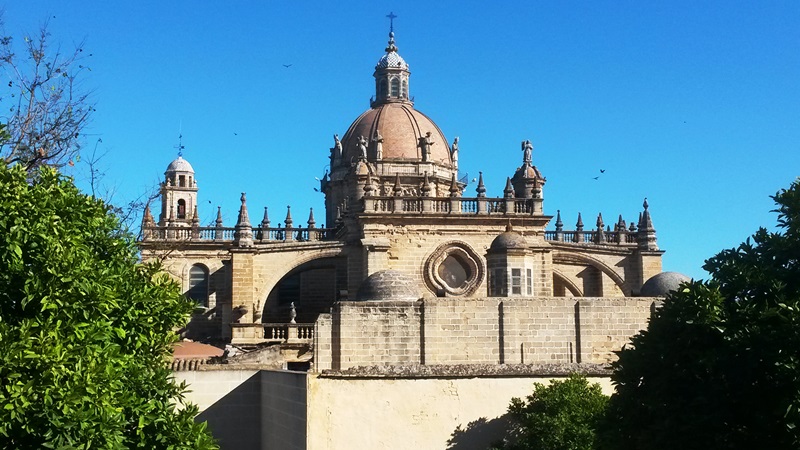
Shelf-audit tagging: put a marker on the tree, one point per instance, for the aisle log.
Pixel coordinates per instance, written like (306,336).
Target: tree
(561,416)
(44,110)
(85,329)
(719,364)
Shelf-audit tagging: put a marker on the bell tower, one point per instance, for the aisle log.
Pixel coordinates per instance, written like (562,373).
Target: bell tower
(178,193)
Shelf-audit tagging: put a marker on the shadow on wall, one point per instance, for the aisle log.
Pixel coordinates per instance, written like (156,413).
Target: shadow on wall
(235,420)
(479,434)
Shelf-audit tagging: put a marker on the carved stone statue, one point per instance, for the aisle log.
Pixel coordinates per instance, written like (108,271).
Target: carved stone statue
(292,313)
(337,146)
(454,152)
(527,150)
(378,140)
(362,146)
(425,144)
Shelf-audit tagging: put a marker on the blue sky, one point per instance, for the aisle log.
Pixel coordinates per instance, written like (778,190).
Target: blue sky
(694,105)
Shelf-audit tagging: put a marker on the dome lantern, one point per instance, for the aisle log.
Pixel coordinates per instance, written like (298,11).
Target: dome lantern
(391,75)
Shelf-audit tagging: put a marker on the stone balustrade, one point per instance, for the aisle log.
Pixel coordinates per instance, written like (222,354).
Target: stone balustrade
(222,234)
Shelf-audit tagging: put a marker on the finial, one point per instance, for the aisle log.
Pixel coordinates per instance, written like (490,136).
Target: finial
(391,47)
(509,190)
(180,146)
(481,189)
(148,216)
(426,186)
(265,220)
(620,224)
(645,205)
(311,222)
(244,219)
(243,232)
(195,218)
(398,190)
(559,223)
(454,186)
(288,219)
(579,225)
(368,187)
(218,222)
(508,226)
(600,221)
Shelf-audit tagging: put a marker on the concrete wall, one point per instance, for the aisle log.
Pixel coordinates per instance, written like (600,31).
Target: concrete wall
(283,424)
(478,331)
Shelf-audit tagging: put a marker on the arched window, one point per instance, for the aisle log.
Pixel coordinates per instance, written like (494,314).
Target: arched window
(395,87)
(384,89)
(198,285)
(404,90)
(181,209)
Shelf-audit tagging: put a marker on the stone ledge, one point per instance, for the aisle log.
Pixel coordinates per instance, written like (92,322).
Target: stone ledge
(470,371)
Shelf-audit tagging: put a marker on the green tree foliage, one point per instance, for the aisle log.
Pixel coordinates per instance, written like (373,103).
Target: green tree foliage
(85,330)
(561,416)
(719,365)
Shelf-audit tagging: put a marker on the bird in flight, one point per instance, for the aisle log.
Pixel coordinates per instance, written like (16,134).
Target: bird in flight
(596,178)
(287,65)
(602,170)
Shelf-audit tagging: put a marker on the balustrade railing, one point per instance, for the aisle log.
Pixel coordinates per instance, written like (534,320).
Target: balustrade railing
(591,237)
(158,233)
(288,332)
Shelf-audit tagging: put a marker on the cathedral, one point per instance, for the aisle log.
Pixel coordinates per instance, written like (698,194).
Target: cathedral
(401,225)
(433,297)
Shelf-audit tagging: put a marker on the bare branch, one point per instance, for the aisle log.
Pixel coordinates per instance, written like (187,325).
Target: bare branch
(43,109)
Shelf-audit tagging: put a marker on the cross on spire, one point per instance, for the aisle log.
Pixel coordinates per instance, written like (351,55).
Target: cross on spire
(391,17)
(180,146)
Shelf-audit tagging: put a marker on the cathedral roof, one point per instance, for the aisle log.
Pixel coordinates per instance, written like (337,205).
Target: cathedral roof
(180,165)
(401,127)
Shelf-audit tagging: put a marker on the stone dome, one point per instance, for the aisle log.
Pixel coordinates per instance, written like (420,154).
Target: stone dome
(527,171)
(180,165)
(388,285)
(508,240)
(401,126)
(659,285)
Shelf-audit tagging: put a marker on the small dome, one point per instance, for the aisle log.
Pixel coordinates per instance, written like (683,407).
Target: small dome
(527,171)
(401,126)
(388,285)
(661,284)
(180,165)
(392,60)
(507,240)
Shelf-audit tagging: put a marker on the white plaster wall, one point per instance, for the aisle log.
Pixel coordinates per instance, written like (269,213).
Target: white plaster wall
(207,387)
(420,414)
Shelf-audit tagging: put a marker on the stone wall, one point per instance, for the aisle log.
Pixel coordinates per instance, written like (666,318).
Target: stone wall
(478,331)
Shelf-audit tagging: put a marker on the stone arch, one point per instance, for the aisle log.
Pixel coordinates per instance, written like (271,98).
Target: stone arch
(573,258)
(561,280)
(309,280)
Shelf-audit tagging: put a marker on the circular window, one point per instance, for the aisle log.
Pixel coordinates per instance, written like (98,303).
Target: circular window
(454,269)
